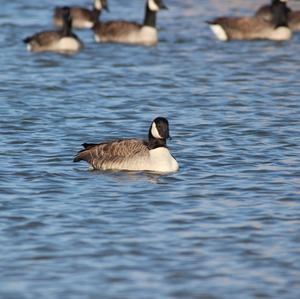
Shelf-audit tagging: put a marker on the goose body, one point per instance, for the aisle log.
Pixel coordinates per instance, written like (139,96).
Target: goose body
(293,17)
(252,28)
(53,42)
(128,33)
(82,18)
(63,41)
(244,28)
(133,154)
(131,32)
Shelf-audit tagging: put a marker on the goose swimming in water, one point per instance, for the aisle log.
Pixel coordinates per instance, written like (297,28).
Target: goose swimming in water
(81,17)
(133,154)
(62,41)
(130,32)
(265,12)
(251,28)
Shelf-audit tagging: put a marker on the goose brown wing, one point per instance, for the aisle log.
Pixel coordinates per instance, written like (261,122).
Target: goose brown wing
(244,28)
(45,38)
(117,28)
(264,13)
(81,13)
(77,13)
(112,152)
(243,24)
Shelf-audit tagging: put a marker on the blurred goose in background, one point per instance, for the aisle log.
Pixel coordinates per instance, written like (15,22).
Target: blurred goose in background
(82,18)
(265,12)
(63,41)
(251,28)
(133,154)
(130,32)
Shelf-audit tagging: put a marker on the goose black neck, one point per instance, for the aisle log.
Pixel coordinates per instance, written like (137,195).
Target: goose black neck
(150,17)
(96,13)
(67,27)
(280,14)
(155,142)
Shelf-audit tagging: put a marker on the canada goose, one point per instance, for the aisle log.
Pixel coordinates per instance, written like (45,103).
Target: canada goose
(265,12)
(81,17)
(63,41)
(130,32)
(250,28)
(133,154)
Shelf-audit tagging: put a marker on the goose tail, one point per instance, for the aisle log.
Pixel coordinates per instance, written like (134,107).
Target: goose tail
(26,40)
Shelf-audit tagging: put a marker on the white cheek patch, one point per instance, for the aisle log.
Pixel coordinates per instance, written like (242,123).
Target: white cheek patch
(98,4)
(152,5)
(154,131)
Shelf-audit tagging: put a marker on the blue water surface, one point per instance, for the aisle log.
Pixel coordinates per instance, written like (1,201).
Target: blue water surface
(226,225)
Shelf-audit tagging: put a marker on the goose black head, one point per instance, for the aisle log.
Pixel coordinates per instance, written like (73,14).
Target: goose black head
(160,128)
(66,13)
(156,5)
(280,13)
(101,4)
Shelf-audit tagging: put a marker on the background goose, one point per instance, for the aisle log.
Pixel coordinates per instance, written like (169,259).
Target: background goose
(130,32)
(265,12)
(81,17)
(57,41)
(133,154)
(250,28)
